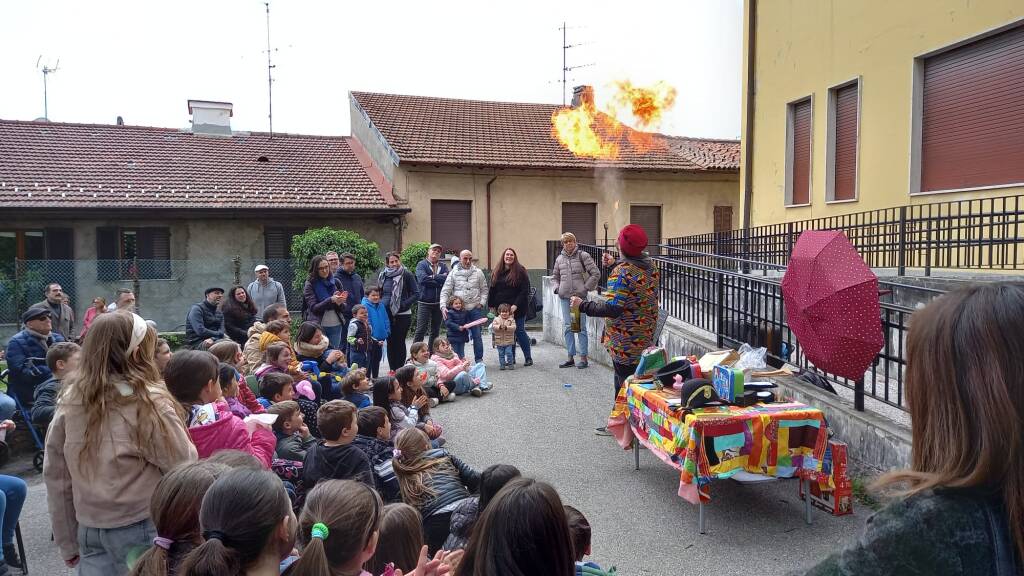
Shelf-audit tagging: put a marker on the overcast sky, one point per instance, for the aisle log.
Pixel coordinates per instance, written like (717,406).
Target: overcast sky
(143,60)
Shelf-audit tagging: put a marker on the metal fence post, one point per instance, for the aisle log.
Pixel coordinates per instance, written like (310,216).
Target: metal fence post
(720,311)
(136,285)
(236,264)
(858,394)
(902,248)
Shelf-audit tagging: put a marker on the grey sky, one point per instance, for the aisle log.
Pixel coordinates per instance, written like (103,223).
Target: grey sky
(143,60)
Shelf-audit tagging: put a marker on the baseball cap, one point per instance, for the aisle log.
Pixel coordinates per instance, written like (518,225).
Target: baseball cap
(34,312)
(261,267)
(432,246)
(213,289)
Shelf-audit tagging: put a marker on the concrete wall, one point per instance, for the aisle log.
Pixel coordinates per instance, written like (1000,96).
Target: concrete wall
(875,440)
(526,207)
(804,48)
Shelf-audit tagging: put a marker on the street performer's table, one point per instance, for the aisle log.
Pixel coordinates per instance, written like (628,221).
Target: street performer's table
(781,440)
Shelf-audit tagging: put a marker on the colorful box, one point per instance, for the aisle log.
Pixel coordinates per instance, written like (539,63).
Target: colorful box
(839,500)
(728,382)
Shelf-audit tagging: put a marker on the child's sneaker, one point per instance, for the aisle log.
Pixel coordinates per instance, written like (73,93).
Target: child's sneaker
(485,386)
(476,392)
(434,402)
(511,366)
(450,397)
(502,368)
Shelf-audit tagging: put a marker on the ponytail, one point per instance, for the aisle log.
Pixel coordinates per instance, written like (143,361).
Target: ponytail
(346,513)
(212,558)
(313,561)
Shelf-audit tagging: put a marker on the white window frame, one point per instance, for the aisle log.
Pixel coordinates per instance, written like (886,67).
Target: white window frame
(789,153)
(917,112)
(830,152)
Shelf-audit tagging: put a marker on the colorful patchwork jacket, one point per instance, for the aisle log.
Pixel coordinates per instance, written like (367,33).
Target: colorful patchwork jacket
(631,307)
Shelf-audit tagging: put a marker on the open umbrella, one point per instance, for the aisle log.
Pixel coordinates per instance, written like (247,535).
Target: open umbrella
(832,306)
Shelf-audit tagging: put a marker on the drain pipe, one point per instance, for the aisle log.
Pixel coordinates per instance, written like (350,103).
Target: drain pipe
(748,144)
(489,182)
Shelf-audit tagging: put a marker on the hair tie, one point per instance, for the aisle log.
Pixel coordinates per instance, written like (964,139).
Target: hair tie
(397,453)
(214,535)
(161,542)
(139,330)
(320,531)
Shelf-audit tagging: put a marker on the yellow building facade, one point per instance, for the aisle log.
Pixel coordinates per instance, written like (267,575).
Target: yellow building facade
(804,51)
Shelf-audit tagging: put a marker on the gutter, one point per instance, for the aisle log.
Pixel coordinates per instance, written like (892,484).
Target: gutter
(748,143)
(489,182)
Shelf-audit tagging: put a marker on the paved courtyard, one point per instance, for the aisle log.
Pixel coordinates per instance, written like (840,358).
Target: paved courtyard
(532,421)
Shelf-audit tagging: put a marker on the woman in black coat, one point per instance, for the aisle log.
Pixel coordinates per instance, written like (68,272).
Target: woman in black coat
(398,293)
(510,284)
(239,314)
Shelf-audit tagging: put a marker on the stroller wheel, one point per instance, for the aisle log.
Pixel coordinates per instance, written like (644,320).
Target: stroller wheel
(37,461)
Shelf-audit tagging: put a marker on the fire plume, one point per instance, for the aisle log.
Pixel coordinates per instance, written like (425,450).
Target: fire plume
(590,133)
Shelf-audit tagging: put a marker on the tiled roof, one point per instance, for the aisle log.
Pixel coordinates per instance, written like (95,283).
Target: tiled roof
(447,131)
(57,165)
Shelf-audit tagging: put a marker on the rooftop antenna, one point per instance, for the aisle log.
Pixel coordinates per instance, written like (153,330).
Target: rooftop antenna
(270,77)
(565,66)
(46,70)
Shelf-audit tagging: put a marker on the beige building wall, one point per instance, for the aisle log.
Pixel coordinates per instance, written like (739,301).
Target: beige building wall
(803,48)
(526,207)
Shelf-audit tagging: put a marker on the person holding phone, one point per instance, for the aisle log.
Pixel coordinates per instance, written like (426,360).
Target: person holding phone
(324,300)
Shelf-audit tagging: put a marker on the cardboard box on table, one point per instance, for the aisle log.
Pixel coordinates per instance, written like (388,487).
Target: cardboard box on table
(839,500)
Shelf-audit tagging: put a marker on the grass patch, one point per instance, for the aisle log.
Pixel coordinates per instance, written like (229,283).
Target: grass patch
(864,495)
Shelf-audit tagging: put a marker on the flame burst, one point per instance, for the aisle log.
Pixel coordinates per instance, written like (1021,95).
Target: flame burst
(590,133)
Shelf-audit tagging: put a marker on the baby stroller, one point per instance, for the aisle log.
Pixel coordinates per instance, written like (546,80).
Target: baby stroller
(23,419)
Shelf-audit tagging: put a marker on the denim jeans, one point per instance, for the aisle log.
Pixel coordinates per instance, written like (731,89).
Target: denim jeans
(459,348)
(570,342)
(7,407)
(475,334)
(333,334)
(428,316)
(523,339)
(463,383)
(506,355)
(12,496)
(105,551)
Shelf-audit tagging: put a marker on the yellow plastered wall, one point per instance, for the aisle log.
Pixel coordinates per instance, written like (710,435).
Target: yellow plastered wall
(804,47)
(526,206)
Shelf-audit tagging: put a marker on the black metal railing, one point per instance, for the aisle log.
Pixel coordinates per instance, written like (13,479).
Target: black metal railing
(980,234)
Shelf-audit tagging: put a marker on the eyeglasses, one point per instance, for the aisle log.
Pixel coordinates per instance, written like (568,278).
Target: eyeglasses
(324,268)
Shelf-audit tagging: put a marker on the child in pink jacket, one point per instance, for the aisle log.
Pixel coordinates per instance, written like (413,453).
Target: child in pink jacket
(191,376)
(452,371)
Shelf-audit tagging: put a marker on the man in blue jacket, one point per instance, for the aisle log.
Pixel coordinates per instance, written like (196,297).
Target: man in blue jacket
(26,355)
(205,322)
(352,283)
(431,273)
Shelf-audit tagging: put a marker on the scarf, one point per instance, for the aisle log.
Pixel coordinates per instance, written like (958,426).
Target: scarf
(266,339)
(44,339)
(311,350)
(448,356)
(397,275)
(323,288)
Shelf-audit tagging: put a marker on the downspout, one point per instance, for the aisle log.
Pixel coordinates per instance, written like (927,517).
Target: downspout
(748,144)
(489,182)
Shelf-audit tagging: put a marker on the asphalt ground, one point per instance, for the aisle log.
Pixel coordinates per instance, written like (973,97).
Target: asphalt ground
(531,420)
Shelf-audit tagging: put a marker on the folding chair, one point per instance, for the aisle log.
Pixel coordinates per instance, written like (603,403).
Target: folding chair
(21,548)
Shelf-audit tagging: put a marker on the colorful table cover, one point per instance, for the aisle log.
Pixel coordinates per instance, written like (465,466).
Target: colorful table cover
(712,443)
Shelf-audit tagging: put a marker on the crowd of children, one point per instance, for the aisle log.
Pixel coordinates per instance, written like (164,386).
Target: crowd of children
(226,448)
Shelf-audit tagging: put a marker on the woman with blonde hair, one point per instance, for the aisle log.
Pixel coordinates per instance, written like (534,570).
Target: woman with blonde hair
(961,507)
(116,431)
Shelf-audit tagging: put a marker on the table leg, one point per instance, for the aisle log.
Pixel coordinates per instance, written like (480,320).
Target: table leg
(807,500)
(636,454)
(700,518)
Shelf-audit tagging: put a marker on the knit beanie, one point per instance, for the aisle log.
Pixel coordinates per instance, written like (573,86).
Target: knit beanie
(632,240)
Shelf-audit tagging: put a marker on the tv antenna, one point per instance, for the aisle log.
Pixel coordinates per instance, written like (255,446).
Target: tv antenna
(270,77)
(565,66)
(46,70)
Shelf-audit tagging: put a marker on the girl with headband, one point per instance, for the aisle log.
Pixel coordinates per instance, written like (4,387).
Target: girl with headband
(116,431)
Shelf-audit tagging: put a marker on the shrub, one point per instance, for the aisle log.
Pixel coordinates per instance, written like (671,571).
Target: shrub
(413,253)
(322,240)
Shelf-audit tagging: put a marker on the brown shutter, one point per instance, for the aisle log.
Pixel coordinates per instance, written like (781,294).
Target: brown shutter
(451,225)
(649,218)
(580,218)
(845,166)
(972,114)
(723,219)
(60,244)
(800,177)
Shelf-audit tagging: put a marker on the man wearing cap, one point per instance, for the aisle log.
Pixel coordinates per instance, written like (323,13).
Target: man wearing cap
(205,322)
(630,305)
(26,354)
(264,290)
(431,273)
(61,315)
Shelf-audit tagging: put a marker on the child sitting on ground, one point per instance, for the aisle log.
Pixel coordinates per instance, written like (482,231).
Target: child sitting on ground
(464,516)
(277,387)
(401,538)
(374,439)
(411,379)
(279,332)
(387,394)
(293,437)
(311,345)
(452,370)
(335,457)
(504,330)
(579,531)
(191,377)
(354,388)
(419,356)
(229,352)
(455,320)
(61,359)
(227,377)
(432,481)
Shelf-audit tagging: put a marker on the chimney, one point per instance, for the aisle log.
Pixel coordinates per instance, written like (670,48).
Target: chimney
(211,118)
(582,95)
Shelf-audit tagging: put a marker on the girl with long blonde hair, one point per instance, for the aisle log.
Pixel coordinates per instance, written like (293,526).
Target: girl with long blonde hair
(116,431)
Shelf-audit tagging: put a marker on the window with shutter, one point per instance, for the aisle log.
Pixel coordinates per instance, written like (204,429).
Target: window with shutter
(580,218)
(971,124)
(649,218)
(798,153)
(127,253)
(842,143)
(108,253)
(451,224)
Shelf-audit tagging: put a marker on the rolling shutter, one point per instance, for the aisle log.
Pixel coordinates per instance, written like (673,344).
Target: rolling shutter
(580,218)
(845,159)
(649,218)
(800,167)
(972,114)
(451,225)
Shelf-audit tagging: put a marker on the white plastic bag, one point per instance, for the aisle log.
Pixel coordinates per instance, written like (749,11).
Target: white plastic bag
(751,358)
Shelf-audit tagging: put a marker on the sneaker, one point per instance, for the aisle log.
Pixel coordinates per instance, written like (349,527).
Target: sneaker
(511,366)
(529,362)
(582,364)
(485,386)
(502,368)
(567,364)
(602,431)
(434,402)
(477,392)
(450,397)
(11,556)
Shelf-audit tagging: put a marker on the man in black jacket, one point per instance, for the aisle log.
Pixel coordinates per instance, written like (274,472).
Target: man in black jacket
(205,322)
(352,283)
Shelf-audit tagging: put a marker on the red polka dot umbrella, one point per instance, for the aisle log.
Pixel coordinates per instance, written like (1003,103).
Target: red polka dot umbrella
(831,299)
